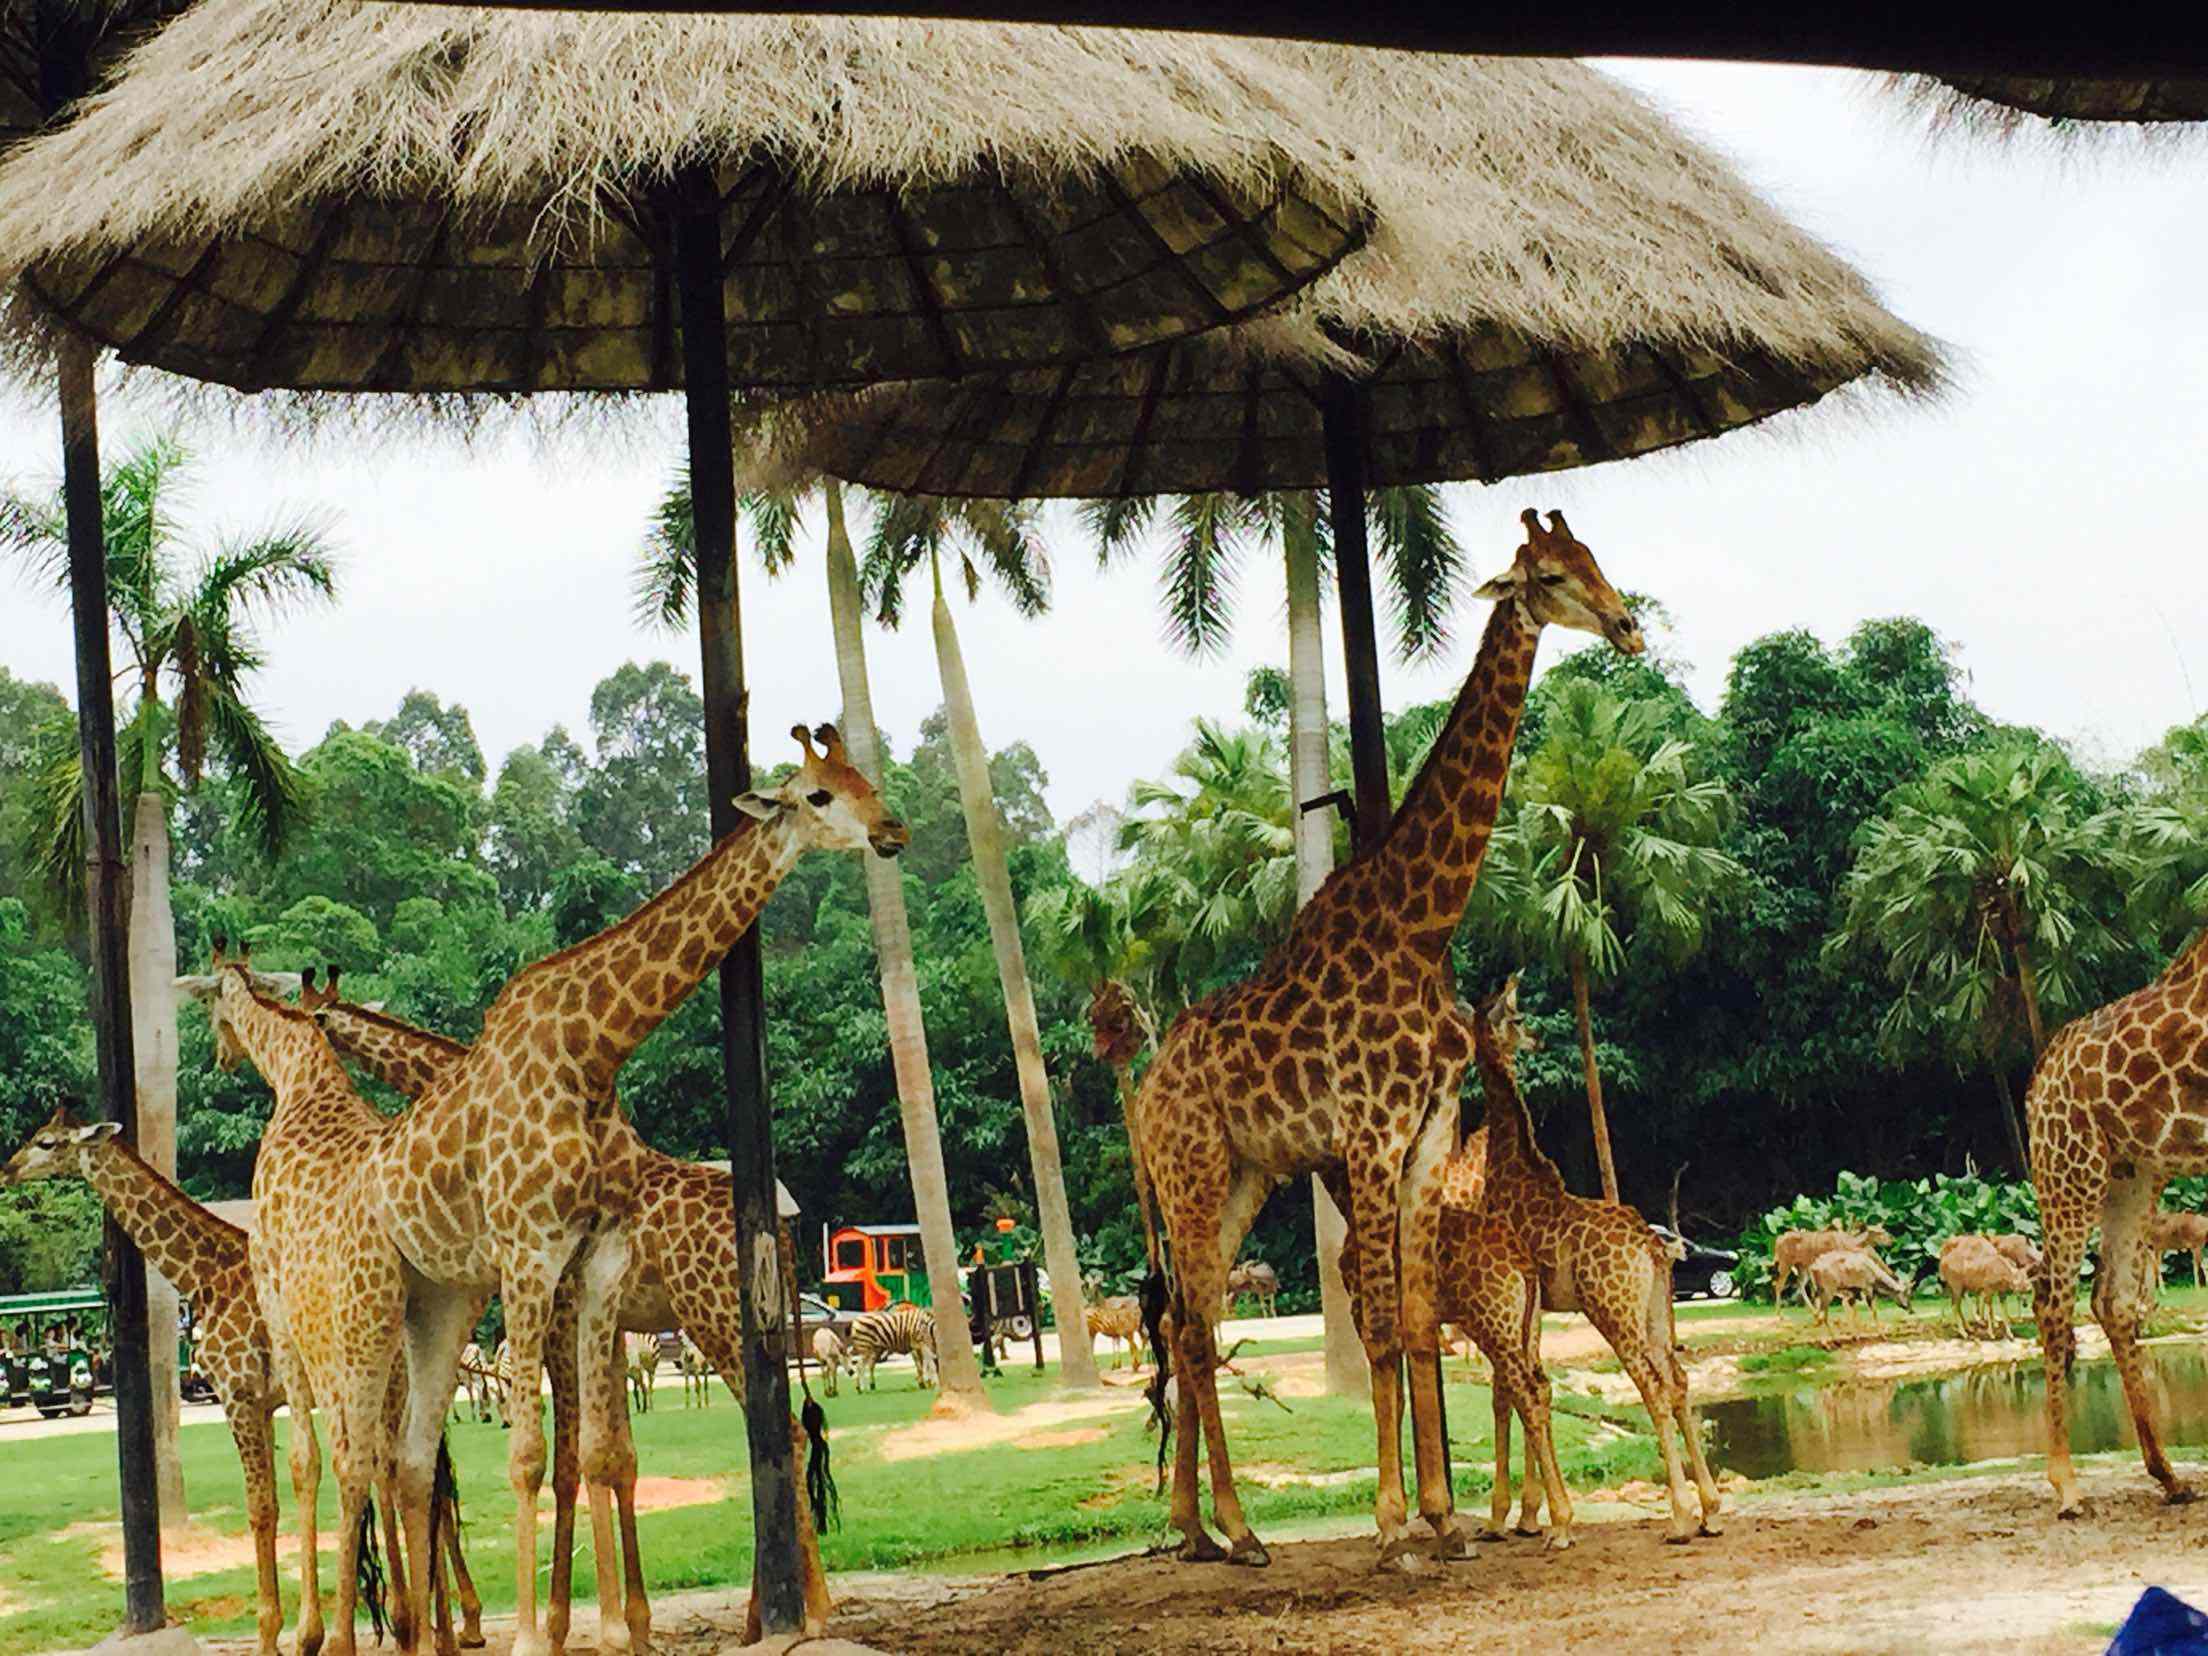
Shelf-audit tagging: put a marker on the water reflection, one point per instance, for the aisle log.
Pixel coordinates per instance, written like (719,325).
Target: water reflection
(1982,1414)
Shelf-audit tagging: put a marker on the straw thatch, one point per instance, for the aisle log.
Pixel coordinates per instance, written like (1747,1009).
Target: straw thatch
(1565,279)
(2009,106)
(49,50)
(329,195)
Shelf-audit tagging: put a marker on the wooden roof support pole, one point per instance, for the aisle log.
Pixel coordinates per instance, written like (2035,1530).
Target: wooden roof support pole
(1343,413)
(105,886)
(695,202)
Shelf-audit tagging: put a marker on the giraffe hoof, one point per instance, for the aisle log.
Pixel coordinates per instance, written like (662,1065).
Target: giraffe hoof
(1558,1541)
(1200,1549)
(1452,1544)
(1527,1531)
(1711,1527)
(1492,1535)
(1249,1552)
(2180,1495)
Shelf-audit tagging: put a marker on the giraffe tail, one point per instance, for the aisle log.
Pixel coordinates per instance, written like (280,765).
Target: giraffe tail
(368,1571)
(820,1483)
(444,1495)
(1155,1290)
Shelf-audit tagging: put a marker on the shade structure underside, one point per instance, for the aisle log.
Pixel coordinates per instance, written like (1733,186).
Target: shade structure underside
(849,288)
(1484,406)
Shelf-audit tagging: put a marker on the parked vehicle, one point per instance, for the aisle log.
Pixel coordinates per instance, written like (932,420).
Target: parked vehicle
(1705,1273)
(56,1359)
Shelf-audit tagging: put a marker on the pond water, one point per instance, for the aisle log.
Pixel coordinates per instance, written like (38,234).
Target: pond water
(1988,1413)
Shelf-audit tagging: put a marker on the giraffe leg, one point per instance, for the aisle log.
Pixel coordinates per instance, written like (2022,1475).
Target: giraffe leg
(306,1494)
(1199,1377)
(463,1580)
(355,1462)
(1418,1236)
(2123,1300)
(567,1460)
(608,1448)
(1666,1357)
(1498,1503)
(435,1327)
(403,1624)
(2069,1201)
(1192,1186)
(1374,1183)
(252,1428)
(528,1288)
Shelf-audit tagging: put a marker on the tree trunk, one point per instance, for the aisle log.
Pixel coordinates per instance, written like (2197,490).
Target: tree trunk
(2009,1120)
(985,835)
(2028,981)
(1595,1116)
(153,1044)
(1347,1373)
(908,1035)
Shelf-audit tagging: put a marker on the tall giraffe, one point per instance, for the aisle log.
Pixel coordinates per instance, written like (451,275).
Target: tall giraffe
(205,1258)
(1592,1256)
(330,1285)
(2117,1107)
(683,1258)
(1342,1056)
(505,1172)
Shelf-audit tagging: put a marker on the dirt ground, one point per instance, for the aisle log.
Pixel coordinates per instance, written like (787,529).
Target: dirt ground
(1964,1566)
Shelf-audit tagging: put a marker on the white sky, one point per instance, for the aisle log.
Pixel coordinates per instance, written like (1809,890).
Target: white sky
(2049,518)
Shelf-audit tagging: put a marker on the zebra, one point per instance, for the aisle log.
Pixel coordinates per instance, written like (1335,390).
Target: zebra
(480,1381)
(640,1356)
(828,1352)
(904,1327)
(697,1376)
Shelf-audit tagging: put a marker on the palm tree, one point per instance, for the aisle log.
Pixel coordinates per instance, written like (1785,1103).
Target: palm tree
(1210,534)
(907,532)
(1991,879)
(1610,846)
(664,584)
(186,624)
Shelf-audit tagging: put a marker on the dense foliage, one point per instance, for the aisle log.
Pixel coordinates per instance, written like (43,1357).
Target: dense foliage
(1761,1063)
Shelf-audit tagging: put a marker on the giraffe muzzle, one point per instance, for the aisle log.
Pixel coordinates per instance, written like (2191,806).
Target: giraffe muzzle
(890,838)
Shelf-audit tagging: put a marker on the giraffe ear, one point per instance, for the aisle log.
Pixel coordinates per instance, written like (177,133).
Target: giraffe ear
(1501,586)
(201,986)
(762,806)
(97,1131)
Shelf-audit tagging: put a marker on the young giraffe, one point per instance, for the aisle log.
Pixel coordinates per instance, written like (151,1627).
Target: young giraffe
(2118,1106)
(1597,1257)
(1119,1029)
(1336,1057)
(205,1258)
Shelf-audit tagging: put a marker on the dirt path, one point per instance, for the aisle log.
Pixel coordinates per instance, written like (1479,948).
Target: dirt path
(1965,1566)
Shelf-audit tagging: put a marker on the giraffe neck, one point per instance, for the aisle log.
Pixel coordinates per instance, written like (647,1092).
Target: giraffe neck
(2190,962)
(406,1058)
(1438,837)
(285,1044)
(191,1248)
(631,976)
(1513,1155)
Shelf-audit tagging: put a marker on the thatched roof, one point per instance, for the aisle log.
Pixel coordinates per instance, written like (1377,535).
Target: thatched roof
(1564,278)
(329,195)
(2008,104)
(51,51)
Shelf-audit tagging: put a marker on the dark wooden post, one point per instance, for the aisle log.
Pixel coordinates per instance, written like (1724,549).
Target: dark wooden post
(1345,496)
(696,225)
(105,887)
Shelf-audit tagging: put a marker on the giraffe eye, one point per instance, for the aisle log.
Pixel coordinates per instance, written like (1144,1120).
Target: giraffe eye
(818,798)
(1552,580)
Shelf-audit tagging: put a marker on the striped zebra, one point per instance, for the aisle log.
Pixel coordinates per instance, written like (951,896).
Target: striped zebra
(904,1327)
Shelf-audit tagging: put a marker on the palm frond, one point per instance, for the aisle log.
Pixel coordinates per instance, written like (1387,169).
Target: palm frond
(1202,567)
(666,574)
(271,795)
(1424,564)
(1116,527)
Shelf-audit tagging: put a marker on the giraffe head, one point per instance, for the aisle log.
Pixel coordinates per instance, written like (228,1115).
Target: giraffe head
(313,999)
(831,806)
(57,1150)
(1498,1026)
(206,988)
(1557,582)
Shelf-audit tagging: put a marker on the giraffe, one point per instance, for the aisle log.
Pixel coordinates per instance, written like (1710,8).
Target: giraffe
(206,1259)
(1119,1030)
(1335,1057)
(332,1288)
(1592,1256)
(2118,1106)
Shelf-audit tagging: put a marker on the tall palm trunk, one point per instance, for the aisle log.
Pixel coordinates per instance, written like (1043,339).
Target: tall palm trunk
(908,1035)
(985,834)
(2027,980)
(1347,1373)
(153,1041)
(1594,1079)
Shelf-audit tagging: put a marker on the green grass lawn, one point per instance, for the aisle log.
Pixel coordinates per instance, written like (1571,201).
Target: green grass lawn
(1093,1483)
